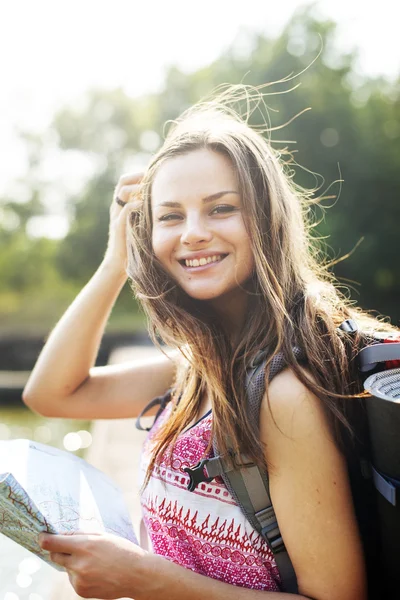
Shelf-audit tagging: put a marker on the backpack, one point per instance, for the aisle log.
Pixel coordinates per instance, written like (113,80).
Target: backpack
(370,471)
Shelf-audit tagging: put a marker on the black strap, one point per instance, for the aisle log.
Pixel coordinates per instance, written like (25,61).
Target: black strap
(160,400)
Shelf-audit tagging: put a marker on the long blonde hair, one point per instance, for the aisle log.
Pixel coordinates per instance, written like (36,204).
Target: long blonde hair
(293,298)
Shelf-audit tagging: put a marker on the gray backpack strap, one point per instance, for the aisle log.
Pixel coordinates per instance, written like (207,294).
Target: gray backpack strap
(370,356)
(247,483)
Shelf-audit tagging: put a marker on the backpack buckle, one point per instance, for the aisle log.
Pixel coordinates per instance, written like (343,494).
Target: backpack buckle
(349,326)
(198,474)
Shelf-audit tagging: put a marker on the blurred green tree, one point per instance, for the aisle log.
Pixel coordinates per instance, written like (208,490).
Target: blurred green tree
(346,147)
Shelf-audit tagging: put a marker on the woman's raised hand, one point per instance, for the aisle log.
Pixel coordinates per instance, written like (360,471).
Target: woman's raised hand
(126,197)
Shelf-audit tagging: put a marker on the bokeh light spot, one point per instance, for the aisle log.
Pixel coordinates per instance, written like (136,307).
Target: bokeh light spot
(23,580)
(11,596)
(86,438)
(19,431)
(296,46)
(30,565)
(149,141)
(72,441)
(329,137)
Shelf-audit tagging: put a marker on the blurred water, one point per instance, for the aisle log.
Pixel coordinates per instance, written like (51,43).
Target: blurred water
(23,576)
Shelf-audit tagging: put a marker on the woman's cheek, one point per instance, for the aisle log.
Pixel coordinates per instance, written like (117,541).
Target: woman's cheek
(155,241)
(161,246)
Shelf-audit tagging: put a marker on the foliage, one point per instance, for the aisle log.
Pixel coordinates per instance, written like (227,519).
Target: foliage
(351,133)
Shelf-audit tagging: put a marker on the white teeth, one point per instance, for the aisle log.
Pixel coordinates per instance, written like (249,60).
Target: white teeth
(203,261)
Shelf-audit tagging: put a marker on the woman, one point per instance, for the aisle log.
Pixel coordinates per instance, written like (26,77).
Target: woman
(219,256)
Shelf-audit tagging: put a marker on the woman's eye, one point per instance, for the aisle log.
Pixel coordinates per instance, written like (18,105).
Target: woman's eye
(219,210)
(169,217)
(223,208)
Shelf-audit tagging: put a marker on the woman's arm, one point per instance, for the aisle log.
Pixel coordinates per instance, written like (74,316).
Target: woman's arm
(311,494)
(72,346)
(173,582)
(64,382)
(107,566)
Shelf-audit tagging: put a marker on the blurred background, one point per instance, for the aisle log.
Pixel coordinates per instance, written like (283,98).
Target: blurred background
(86,88)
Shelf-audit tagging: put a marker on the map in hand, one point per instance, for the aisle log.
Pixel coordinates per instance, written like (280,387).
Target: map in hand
(46,489)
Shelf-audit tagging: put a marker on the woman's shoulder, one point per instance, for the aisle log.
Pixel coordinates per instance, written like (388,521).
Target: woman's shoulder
(310,491)
(290,409)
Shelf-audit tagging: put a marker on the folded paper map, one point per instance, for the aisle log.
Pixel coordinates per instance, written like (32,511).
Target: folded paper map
(46,489)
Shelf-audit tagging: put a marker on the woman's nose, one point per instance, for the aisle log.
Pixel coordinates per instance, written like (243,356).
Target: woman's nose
(195,231)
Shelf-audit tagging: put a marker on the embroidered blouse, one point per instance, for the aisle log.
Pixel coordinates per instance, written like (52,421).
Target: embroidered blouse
(203,530)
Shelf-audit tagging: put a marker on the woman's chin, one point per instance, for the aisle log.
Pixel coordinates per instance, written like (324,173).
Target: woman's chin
(203,295)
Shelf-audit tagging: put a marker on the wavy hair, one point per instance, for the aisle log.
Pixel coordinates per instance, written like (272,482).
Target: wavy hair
(294,300)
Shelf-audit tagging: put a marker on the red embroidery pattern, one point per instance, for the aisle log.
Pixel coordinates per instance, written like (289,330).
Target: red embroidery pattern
(161,512)
(203,530)
(212,546)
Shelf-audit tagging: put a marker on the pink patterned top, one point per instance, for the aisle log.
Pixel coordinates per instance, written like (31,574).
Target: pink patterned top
(204,530)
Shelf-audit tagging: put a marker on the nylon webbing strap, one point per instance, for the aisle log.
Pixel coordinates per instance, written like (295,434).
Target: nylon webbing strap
(288,576)
(217,466)
(385,486)
(258,496)
(238,484)
(247,483)
(370,356)
(252,492)
(255,487)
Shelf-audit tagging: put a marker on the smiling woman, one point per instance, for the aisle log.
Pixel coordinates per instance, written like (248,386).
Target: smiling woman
(201,240)
(219,254)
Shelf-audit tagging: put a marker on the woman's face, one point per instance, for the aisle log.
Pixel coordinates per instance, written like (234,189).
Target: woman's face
(199,234)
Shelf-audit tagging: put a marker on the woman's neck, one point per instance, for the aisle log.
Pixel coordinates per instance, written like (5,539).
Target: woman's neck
(232,312)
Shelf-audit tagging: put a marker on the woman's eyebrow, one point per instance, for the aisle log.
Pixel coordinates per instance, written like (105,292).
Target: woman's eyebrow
(210,198)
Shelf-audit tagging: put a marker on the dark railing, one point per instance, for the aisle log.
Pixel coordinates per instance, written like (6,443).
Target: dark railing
(18,355)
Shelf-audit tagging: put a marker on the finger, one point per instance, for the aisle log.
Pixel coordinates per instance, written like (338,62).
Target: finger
(130,178)
(64,560)
(61,543)
(127,193)
(127,181)
(130,209)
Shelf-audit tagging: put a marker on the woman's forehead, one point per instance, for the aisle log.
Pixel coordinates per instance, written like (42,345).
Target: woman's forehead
(203,170)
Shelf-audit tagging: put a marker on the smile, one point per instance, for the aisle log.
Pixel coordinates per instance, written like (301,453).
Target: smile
(202,263)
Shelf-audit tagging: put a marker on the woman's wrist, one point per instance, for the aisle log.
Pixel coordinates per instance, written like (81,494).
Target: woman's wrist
(157,577)
(147,581)
(113,269)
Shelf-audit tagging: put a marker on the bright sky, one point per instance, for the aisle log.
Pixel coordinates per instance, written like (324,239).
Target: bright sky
(52,51)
